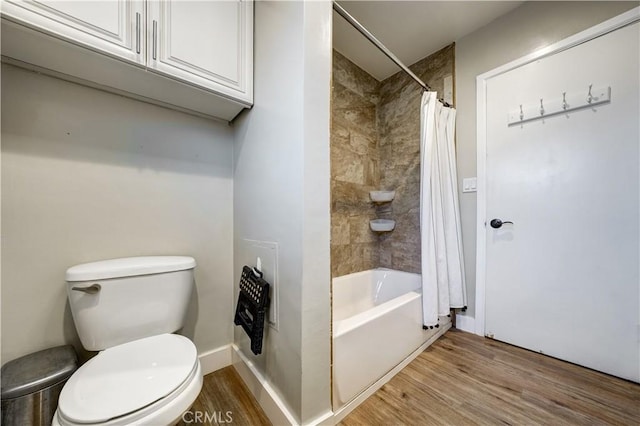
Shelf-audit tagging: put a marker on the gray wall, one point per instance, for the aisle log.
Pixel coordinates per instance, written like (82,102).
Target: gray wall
(281,195)
(526,29)
(88,175)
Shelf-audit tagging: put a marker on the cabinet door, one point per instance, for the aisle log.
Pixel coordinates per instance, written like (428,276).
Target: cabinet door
(114,27)
(205,43)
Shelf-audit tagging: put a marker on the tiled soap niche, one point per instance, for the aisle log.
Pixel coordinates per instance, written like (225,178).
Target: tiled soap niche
(382,199)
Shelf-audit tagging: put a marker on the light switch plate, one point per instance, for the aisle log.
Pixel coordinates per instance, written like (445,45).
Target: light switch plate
(470,184)
(267,251)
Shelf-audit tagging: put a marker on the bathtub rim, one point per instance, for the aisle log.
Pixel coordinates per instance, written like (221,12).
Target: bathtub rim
(368,271)
(344,326)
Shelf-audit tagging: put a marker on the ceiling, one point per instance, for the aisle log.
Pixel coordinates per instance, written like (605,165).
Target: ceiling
(412,30)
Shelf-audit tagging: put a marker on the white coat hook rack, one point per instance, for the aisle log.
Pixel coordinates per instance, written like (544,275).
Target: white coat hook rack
(569,101)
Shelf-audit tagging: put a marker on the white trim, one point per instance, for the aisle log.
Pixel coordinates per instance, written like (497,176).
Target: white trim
(272,404)
(215,359)
(481,201)
(325,419)
(596,31)
(466,323)
(343,411)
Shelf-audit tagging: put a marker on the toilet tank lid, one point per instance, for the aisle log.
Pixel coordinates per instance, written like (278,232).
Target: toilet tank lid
(129,267)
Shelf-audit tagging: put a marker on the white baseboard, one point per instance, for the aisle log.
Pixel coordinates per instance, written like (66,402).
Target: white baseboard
(272,404)
(343,411)
(215,359)
(466,323)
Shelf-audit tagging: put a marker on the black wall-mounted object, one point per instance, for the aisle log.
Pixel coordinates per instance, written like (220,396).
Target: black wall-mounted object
(253,302)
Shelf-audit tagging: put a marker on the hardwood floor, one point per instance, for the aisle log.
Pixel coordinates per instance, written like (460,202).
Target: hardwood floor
(464,379)
(224,391)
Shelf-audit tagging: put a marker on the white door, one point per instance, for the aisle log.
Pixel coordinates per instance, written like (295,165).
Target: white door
(114,27)
(205,43)
(563,279)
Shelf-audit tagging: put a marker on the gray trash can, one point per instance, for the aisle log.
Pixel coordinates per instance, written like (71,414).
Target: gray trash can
(31,385)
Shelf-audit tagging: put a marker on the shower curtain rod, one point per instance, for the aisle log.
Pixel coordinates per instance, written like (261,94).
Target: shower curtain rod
(358,26)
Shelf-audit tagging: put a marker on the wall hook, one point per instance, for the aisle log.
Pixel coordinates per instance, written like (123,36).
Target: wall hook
(560,104)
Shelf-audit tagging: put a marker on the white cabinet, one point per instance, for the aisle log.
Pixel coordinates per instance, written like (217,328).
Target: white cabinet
(205,42)
(195,56)
(112,27)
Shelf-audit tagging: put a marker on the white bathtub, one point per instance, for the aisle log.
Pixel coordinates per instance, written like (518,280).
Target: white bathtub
(377,324)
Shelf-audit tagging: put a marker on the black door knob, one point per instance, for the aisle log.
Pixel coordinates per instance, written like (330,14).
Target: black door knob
(497,223)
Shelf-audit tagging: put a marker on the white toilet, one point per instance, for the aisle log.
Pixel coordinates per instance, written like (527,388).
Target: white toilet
(127,308)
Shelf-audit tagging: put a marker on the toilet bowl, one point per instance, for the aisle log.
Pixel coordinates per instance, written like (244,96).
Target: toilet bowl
(143,375)
(151,381)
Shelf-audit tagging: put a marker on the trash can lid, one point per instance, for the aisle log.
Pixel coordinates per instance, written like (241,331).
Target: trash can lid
(34,372)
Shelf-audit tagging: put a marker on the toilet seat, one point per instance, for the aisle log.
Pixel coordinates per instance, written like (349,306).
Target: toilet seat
(127,383)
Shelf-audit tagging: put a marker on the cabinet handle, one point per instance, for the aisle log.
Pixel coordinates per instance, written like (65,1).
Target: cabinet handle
(155,42)
(138,32)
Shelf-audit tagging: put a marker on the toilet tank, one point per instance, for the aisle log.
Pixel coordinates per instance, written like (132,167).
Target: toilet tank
(120,300)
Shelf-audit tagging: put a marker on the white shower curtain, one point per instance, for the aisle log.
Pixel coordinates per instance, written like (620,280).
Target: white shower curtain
(443,282)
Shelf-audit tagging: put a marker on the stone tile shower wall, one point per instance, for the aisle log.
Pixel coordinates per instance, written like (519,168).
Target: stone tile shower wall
(375,144)
(354,167)
(399,148)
